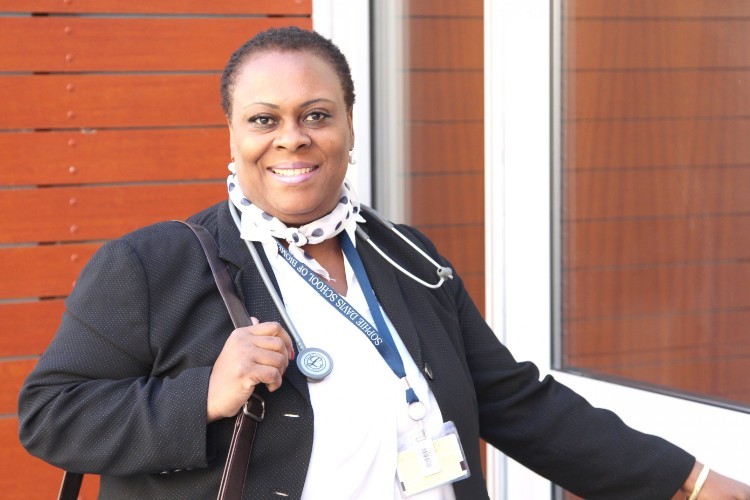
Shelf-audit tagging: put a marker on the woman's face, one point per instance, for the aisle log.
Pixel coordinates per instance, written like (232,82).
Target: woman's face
(290,134)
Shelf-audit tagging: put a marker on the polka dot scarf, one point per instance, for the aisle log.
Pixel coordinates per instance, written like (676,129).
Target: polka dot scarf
(258,225)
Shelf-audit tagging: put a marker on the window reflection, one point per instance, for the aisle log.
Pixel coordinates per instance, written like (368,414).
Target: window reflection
(655,190)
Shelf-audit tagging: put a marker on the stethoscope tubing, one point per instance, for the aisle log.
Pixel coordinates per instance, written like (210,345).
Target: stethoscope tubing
(269,284)
(442,271)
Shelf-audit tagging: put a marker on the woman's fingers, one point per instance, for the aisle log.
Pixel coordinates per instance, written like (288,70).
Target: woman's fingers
(272,329)
(257,354)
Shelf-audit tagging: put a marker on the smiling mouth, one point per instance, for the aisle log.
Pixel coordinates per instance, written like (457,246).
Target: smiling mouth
(291,172)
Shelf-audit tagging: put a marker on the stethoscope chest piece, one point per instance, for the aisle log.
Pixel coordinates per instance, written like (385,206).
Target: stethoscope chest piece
(314,363)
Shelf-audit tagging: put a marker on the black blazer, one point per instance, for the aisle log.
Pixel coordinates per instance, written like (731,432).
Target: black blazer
(121,391)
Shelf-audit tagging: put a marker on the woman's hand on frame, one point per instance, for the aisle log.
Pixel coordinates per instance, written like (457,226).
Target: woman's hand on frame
(716,486)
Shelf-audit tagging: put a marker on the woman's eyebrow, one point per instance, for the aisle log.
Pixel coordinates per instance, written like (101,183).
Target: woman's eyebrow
(302,105)
(313,101)
(268,104)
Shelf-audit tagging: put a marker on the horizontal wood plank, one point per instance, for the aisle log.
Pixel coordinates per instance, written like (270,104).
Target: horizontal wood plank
(444,147)
(93,101)
(12,375)
(600,194)
(715,378)
(704,95)
(262,7)
(458,44)
(26,328)
(103,212)
(98,156)
(667,335)
(449,8)
(659,44)
(25,476)
(441,199)
(656,290)
(446,96)
(70,44)
(42,271)
(661,9)
(649,241)
(709,370)
(656,143)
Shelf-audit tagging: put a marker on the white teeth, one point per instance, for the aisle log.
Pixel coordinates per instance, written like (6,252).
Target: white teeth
(292,171)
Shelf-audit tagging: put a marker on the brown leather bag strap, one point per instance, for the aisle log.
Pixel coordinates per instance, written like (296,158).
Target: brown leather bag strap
(240,448)
(246,423)
(224,282)
(71,485)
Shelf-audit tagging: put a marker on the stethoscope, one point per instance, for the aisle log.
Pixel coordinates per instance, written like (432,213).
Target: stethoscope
(443,272)
(315,363)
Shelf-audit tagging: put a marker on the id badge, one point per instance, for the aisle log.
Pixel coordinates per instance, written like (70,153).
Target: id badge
(426,462)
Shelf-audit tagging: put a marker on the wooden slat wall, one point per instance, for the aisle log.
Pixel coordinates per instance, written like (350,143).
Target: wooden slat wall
(657,193)
(445,131)
(262,8)
(116,44)
(110,120)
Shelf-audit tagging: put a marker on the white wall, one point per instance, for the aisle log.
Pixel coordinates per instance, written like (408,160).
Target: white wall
(347,24)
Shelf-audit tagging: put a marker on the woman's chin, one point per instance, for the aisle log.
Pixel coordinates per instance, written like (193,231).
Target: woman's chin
(299,214)
(296,216)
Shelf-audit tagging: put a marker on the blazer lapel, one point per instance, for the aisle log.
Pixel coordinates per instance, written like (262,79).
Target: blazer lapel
(388,291)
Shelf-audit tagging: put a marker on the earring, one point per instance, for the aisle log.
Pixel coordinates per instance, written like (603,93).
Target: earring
(352,161)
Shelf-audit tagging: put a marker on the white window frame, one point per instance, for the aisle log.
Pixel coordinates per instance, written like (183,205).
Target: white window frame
(518,138)
(516,162)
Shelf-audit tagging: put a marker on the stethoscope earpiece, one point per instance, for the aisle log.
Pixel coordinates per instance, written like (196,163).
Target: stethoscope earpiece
(445,272)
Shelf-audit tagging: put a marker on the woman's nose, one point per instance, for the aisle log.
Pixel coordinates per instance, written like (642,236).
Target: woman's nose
(291,136)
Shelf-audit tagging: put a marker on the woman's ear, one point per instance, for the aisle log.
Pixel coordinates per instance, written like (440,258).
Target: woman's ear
(231,138)
(350,119)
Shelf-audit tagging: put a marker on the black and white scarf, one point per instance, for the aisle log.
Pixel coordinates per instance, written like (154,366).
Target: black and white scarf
(257,225)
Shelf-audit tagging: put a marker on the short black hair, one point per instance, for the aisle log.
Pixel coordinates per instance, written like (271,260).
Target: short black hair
(291,39)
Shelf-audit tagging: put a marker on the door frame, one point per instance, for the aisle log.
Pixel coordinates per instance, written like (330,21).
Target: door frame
(519,146)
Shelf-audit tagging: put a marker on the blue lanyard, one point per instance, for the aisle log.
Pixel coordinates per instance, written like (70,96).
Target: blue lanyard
(380,337)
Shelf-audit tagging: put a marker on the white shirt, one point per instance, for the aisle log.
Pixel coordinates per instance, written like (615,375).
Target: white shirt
(360,408)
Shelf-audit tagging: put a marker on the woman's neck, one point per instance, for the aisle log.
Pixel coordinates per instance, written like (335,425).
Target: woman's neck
(328,253)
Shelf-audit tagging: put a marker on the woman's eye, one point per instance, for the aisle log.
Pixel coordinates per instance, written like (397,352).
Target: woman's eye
(262,120)
(316,116)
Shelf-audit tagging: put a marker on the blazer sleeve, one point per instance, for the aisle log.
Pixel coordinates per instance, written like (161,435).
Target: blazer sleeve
(552,430)
(92,403)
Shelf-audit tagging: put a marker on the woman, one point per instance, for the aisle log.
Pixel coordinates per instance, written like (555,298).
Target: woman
(143,377)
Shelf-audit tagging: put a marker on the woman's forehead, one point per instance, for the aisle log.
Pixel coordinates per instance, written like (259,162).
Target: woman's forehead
(283,75)
(281,63)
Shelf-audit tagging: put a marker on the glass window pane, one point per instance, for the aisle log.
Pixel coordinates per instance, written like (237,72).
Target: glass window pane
(655,194)
(429,125)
